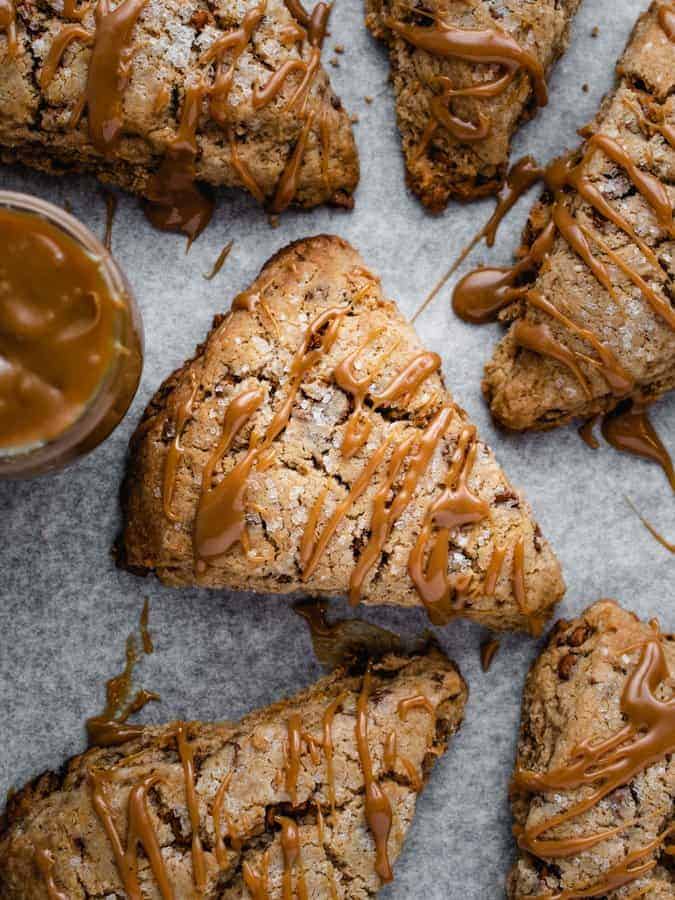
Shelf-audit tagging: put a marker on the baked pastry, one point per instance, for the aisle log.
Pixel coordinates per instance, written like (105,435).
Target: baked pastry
(310,445)
(465,76)
(594,785)
(311,797)
(156,96)
(594,285)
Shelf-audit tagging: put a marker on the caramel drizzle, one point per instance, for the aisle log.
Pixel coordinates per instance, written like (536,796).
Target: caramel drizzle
(488,651)
(378,810)
(240,167)
(287,186)
(218,814)
(456,506)
(518,575)
(327,723)
(488,46)
(257,882)
(186,753)
(666,130)
(8,25)
(293,756)
(220,261)
(220,522)
(494,570)
(668,545)
(292,854)
(646,738)
(109,66)
(140,830)
(384,518)
(631,431)
(44,860)
(419,701)
(175,453)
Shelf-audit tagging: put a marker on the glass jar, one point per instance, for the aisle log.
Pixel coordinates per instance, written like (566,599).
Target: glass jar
(71,339)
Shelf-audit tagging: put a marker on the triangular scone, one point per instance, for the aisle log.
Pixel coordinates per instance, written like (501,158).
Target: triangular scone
(311,446)
(594,787)
(457,144)
(629,345)
(311,797)
(233,94)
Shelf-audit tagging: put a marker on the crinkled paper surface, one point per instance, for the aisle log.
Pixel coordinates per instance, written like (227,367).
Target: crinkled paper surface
(65,609)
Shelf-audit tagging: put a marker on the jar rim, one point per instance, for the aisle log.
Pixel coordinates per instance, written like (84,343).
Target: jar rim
(65,447)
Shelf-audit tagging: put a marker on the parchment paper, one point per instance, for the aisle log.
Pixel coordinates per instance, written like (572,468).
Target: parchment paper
(65,610)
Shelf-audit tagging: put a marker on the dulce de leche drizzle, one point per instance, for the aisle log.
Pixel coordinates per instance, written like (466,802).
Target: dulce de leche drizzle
(58,325)
(45,863)
(173,457)
(379,815)
(8,26)
(631,431)
(292,854)
(186,753)
(257,880)
(478,46)
(647,737)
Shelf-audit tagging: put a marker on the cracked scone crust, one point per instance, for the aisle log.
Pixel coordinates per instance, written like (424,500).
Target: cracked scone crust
(450,168)
(55,812)
(253,349)
(167,43)
(573,694)
(527,390)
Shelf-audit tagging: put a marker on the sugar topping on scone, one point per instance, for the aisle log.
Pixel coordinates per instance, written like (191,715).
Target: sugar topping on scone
(311,797)
(594,785)
(311,446)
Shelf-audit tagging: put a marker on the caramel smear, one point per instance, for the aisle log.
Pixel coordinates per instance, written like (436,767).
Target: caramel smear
(631,431)
(603,766)
(379,815)
(58,326)
(175,201)
(488,651)
(109,728)
(8,26)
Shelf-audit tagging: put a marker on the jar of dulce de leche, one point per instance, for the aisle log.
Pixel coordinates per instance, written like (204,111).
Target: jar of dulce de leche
(71,345)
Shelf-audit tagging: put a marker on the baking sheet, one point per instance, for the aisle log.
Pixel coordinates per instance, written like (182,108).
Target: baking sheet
(65,609)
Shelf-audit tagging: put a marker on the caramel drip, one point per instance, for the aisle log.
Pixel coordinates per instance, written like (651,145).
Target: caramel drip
(647,737)
(110,210)
(257,883)
(416,783)
(220,262)
(477,46)
(665,129)
(328,748)
(292,854)
(384,518)
(287,186)
(586,433)
(518,574)
(666,17)
(419,701)
(631,431)
(456,506)
(243,171)
(488,651)
(220,521)
(175,201)
(109,727)
(293,756)
(325,136)
(390,752)
(271,89)
(218,814)
(379,814)
(538,338)
(67,35)
(670,546)
(140,831)
(8,25)
(465,131)
(319,544)
(44,860)
(175,452)
(409,380)
(494,570)
(146,637)
(187,754)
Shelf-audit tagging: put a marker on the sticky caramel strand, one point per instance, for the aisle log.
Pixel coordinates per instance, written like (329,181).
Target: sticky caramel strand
(456,506)
(378,810)
(647,737)
(490,46)
(220,522)
(8,26)
(140,832)
(630,430)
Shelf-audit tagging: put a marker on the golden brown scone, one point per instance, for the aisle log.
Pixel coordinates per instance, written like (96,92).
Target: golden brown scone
(605,678)
(466,157)
(636,327)
(311,446)
(264,807)
(239,143)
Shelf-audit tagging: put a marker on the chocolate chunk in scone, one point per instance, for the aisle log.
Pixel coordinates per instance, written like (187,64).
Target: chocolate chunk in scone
(465,77)
(594,320)
(311,446)
(593,792)
(158,97)
(311,797)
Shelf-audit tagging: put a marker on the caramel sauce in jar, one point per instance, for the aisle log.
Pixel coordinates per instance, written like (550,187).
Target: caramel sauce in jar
(70,338)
